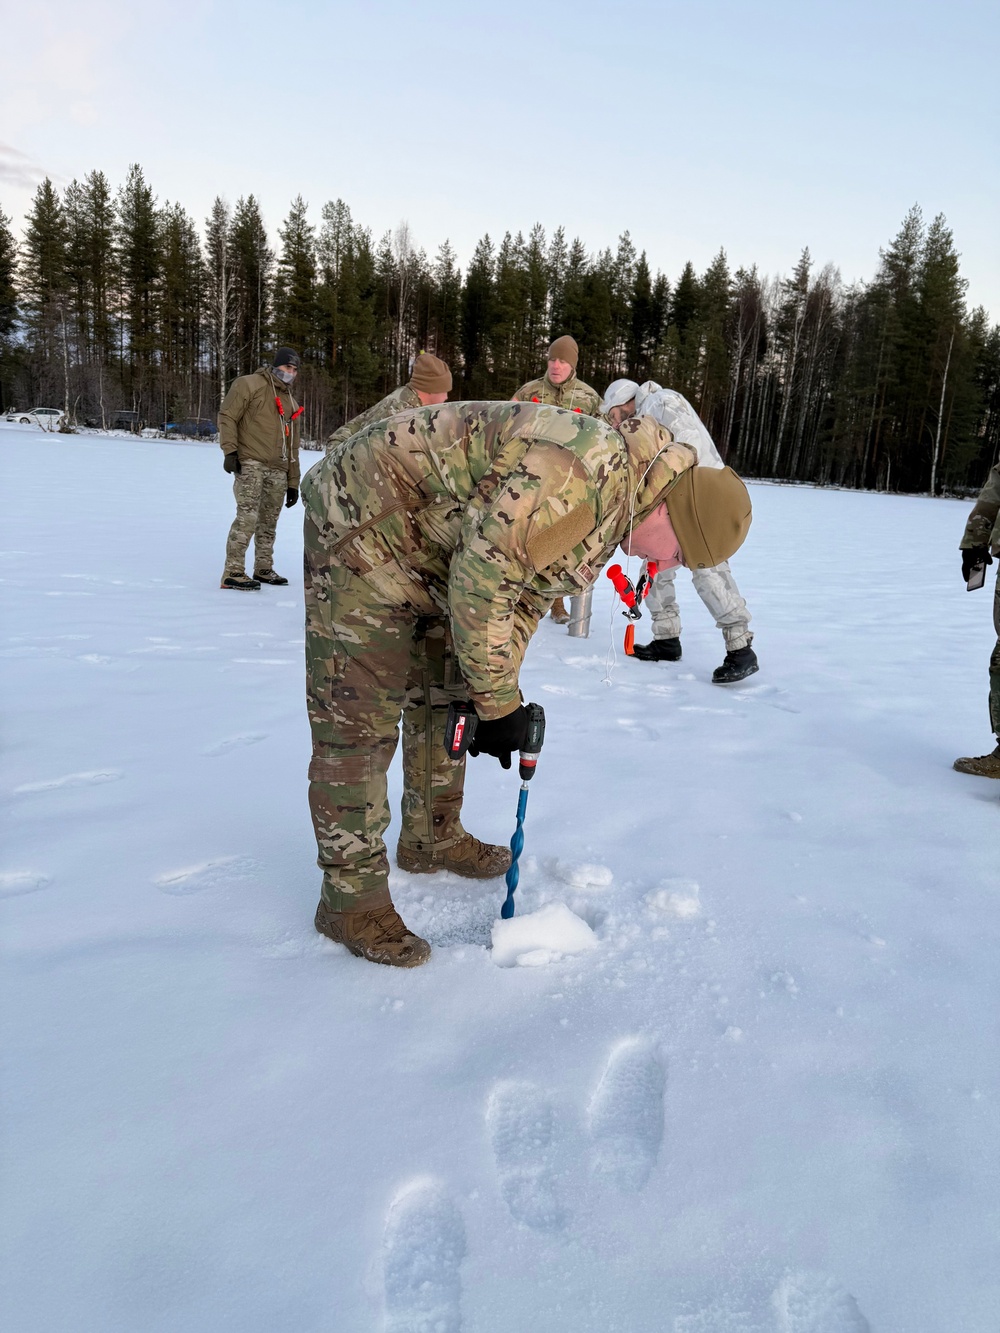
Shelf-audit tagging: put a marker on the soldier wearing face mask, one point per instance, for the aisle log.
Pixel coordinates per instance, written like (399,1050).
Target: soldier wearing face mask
(259,435)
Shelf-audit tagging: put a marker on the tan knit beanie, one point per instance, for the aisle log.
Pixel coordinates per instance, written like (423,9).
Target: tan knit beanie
(710,510)
(430,375)
(565,349)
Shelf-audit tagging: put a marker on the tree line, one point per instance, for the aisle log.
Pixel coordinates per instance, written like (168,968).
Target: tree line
(113,300)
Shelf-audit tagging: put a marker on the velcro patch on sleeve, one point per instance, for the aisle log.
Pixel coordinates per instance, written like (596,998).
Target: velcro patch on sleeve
(340,770)
(545,548)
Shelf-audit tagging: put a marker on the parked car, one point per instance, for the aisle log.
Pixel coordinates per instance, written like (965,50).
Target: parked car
(128,420)
(193,428)
(49,418)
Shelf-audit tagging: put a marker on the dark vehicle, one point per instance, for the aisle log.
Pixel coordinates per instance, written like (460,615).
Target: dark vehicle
(125,420)
(194,428)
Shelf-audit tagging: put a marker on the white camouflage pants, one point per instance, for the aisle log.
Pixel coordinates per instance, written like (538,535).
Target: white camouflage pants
(717,589)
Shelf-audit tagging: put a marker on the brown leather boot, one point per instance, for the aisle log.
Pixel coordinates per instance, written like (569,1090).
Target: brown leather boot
(981,766)
(378,935)
(468,856)
(558,612)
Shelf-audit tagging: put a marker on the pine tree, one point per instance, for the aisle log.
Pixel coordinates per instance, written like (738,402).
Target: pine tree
(252,267)
(557,261)
(140,267)
(943,345)
(8,303)
(45,285)
(507,330)
(712,373)
(295,304)
(181,311)
(646,321)
(535,340)
(220,295)
(446,305)
(478,316)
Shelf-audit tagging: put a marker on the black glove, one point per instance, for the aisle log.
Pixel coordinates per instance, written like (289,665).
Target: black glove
(231,462)
(976,555)
(291,497)
(502,737)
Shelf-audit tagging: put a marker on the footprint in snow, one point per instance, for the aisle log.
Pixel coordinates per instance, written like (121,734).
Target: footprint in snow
(15,883)
(422,1250)
(806,1302)
(232,742)
(204,875)
(626,1115)
(93,778)
(580,874)
(766,694)
(723,1315)
(520,1121)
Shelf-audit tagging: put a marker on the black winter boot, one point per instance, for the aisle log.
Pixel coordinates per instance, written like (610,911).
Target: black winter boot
(269,576)
(239,581)
(739,663)
(660,650)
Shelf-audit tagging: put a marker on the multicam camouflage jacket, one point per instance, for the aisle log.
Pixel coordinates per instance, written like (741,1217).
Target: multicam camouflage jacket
(398,401)
(485,512)
(252,426)
(983,527)
(572,394)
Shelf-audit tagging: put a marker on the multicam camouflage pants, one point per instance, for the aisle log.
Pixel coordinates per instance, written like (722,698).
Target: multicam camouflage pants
(260,493)
(717,589)
(367,664)
(995,665)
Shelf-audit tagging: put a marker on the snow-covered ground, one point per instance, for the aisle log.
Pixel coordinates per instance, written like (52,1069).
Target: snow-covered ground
(766,1101)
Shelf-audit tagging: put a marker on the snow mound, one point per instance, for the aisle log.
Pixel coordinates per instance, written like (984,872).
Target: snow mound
(677,898)
(541,937)
(579,875)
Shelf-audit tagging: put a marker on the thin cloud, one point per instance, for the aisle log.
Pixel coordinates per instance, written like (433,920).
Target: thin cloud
(18,169)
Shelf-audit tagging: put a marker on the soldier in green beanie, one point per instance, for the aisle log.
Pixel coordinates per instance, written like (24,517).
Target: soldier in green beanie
(559,387)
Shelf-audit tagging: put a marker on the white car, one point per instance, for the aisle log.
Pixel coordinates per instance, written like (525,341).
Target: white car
(49,418)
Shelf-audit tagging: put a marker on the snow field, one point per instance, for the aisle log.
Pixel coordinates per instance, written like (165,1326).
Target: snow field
(765,1101)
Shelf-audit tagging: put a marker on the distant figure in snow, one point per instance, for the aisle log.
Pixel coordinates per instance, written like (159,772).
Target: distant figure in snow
(559,387)
(980,543)
(259,435)
(428,385)
(716,586)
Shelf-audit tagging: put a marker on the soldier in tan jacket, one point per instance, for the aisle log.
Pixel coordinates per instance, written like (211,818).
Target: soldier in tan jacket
(259,436)
(559,387)
(428,385)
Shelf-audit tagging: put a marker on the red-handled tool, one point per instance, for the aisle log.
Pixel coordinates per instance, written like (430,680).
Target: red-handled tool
(633,596)
(281,413)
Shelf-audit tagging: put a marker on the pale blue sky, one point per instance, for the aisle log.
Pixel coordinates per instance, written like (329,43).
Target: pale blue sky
(761,128)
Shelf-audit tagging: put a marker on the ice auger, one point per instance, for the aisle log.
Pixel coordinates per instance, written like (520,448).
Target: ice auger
(459,733)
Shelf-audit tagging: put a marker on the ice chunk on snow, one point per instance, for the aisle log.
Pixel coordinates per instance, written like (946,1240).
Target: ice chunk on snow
(579,875)
(675,897)
(545,936)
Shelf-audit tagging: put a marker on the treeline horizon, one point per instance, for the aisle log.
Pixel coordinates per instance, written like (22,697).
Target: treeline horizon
(115,301)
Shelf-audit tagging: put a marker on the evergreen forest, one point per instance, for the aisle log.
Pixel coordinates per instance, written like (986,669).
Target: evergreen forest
(113,300)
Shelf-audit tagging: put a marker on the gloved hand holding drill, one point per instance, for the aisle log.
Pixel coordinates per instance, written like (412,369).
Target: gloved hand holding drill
(973,558)
(501,737)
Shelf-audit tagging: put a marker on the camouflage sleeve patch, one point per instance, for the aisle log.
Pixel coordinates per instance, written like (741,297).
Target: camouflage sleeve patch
(547,546)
